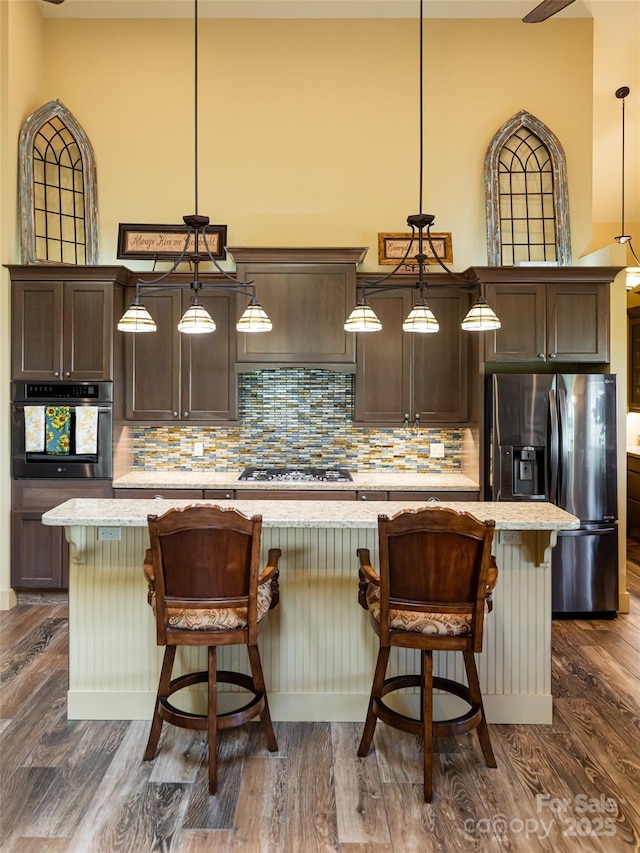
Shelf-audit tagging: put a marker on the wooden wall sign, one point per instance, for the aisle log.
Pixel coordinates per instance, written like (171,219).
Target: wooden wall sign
(391,249)
(170,241)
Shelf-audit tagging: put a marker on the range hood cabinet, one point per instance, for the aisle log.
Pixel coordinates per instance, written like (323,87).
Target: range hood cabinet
(307,293)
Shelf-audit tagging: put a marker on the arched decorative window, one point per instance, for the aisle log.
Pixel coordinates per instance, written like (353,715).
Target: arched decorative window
(525,174)
(58,199)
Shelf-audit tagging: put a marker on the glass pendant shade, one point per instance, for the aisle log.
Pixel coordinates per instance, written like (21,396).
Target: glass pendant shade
(196,321)
(362,319)
(254,319)
(480,318)
(421,319)
(633,277)
(136,319)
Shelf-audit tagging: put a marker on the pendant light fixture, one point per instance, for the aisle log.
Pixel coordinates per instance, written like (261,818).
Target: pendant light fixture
(480,317)
(196,319)
(633,273)
(363,318)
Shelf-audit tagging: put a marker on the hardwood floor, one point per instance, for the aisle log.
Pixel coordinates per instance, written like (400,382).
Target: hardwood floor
(81,787)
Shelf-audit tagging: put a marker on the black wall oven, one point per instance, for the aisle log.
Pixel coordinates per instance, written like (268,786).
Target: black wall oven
(42,411)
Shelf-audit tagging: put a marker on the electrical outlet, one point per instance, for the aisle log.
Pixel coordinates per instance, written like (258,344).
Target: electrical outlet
(108,534)
(436,450)
(511,537)
(198,448)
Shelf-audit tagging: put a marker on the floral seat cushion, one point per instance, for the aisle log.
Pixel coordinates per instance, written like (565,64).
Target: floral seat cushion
(442,624)
(213,619)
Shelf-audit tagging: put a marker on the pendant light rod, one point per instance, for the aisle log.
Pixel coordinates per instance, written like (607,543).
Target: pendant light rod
(195,105)
(623,238)
(622,93)
(421,109)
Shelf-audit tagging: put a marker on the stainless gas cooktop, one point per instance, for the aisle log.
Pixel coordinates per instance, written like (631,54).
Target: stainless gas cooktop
(297,475)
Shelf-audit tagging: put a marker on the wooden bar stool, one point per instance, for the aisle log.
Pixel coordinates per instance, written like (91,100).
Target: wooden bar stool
(206,589)
(433,593)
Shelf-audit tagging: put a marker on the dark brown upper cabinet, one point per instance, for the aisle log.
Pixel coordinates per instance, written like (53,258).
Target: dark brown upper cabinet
(402,376)
(170,376)
(550,321)
(308,294)
(63,322)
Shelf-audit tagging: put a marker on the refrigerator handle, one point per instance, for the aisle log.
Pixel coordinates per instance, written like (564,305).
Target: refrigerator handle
(563,457)
(554,447)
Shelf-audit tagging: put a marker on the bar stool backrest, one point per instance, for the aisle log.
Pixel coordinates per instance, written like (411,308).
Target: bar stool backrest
(435,560)
(205,557)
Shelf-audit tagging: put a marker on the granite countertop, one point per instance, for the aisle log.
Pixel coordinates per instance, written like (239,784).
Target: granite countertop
(112,512)
(385,480)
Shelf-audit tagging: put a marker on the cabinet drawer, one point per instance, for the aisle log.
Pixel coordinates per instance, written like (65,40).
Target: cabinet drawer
(293,495)
(433,496)
(150,494)
(219,494)
(633,484)
(633,463)
(633,516)
(45,494)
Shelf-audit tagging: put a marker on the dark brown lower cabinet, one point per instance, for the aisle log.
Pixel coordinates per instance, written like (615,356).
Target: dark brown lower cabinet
(633,496)
(39,554)
(159,494)
(293,495)
(433,496)
(177,494)
(363,495)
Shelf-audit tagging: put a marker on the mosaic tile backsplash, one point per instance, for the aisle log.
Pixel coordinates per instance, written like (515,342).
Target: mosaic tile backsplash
(295,416)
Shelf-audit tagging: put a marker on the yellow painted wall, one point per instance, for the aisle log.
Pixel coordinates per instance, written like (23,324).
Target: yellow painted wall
(308,129)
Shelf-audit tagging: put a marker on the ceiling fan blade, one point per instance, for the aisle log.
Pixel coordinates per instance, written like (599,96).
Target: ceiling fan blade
(545,10)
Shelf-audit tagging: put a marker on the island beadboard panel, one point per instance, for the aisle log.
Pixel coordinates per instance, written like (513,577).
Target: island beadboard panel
(317,646)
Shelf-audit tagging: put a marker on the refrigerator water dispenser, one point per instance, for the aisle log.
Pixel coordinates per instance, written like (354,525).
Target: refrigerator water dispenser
(523,472)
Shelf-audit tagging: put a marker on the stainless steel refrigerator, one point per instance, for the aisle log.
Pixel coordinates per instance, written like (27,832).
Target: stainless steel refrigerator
(553,438)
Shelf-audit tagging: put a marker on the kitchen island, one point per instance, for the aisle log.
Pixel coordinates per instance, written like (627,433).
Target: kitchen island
(318,648)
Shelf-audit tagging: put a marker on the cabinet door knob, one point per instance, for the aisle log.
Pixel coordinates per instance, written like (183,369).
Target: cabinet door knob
(540,355)
(67,373)
(175,414)
(185,414)
(158,497)
(552,355)
(55,373)
(228,496)
(363,497)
